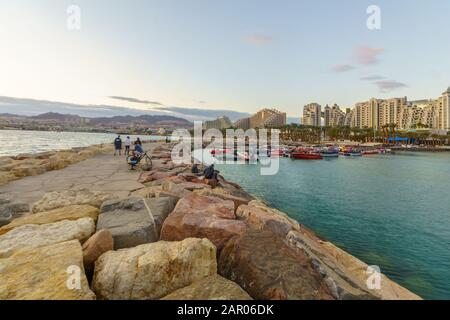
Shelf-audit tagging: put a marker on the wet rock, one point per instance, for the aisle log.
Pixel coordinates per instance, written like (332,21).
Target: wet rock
(35,236)
(210,288)
(66,213)
(135,221)
(66,198)
(152,271)
(43,273)
(202,217)
(267,268)
(345,275)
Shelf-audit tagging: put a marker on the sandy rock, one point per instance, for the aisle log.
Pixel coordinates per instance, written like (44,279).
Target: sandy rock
(147,192)
(154,270)
(267,268)
(6,177)
(174,188)
(135,221)
(210,288)
(35,236)
(345,272)
(260,216)
(42,274)
(101,242)
(202,217)
(66,213)
(155,175)
(66,198)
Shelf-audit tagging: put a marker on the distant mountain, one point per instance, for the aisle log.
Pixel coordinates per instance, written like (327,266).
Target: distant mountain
(145,119)
(56,116)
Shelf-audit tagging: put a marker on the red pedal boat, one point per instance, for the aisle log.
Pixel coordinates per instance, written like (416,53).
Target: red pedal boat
(306,156)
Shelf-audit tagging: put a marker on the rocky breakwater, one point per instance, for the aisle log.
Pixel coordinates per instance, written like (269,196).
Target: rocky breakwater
(13,168)
(178,237)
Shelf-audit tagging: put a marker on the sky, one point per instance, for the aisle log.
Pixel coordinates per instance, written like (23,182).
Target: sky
(203,58)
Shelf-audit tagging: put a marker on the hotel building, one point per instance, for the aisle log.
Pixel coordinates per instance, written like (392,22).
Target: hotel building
(312,115)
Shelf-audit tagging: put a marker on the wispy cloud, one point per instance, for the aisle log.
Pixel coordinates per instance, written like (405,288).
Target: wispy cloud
(134,100)
(372,78)
(340,68)
(366,55)
(204,114)
(259,39)
(390,85)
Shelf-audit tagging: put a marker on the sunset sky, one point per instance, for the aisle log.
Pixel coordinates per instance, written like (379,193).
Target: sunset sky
(199,58)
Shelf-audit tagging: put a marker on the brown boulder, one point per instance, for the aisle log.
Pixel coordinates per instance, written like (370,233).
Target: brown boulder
(267,268)
(202,217)
(95,246)
(260,216)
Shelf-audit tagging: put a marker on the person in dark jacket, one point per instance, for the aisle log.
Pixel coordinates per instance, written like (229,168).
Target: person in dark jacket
(118,145)
(210,173)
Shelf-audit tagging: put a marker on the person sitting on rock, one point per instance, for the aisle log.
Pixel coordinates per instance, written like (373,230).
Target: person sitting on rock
(210,173)
(195,170)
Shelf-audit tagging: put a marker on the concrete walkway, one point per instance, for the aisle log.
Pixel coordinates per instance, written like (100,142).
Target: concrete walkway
(104,172)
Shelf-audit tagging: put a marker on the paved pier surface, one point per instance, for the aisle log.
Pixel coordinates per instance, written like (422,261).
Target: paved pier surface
(103,172)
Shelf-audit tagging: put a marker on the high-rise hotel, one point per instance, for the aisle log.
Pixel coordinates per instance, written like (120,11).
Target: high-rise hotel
(376,113)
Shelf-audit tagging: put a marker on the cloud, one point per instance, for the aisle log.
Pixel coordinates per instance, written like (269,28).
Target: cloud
(134,100)
(204,114)
(372,78)
(366,55)
(340,68)
(389,85)
(33,107)
(259,39)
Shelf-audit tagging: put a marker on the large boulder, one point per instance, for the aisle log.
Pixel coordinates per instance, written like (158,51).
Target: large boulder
(58,199)
(220,193)
(259,216)
(101,242)
(10,210)
(152,271)
(44,274)
(267,268)
(66,213)
(345,275)
(135,221)
(202,217)
(211,288)
(35,236)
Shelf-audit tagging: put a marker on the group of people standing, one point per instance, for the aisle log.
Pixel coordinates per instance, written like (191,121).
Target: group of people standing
(118,145)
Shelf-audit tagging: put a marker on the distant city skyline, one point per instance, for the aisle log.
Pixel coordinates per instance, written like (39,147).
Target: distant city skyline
(203,59)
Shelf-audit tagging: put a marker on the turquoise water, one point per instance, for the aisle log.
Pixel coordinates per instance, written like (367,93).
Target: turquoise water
(388,210)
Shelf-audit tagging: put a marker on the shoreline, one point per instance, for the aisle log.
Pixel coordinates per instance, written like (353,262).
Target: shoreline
(328,270)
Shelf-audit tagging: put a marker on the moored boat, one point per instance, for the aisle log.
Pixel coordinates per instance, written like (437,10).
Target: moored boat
(306,156)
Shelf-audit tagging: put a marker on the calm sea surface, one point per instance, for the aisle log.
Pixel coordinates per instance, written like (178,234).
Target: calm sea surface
(388,210)
(14,142)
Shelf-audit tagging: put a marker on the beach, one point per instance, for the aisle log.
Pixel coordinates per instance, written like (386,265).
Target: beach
(97,215)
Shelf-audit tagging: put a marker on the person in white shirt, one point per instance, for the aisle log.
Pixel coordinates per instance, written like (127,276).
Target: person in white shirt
(127,145)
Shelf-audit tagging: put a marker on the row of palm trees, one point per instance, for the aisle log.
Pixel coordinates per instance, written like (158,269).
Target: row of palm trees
(312,134)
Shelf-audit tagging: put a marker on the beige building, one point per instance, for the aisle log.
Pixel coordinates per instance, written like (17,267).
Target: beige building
(312,115)
(268,118)
(243,124)
(220,123)
(334,116)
